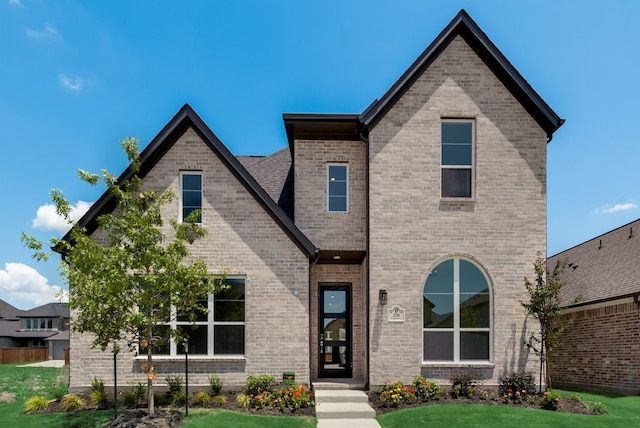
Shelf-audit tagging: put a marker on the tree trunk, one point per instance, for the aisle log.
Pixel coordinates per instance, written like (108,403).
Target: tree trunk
(150,371)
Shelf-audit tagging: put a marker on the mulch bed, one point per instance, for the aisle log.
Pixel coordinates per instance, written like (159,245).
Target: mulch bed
(565,405)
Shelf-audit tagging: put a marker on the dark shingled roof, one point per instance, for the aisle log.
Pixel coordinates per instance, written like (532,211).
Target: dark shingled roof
(604,268)
(9,321)
(51,310)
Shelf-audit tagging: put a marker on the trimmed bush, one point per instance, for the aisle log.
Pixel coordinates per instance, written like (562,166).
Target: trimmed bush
(258,384)
(426,389)
(216,383)
(463,384)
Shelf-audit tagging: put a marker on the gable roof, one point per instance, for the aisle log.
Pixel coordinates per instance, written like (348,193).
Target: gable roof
(603,268)
(462,25)
(55,310)
(187,118)
(300,126)
(8,312)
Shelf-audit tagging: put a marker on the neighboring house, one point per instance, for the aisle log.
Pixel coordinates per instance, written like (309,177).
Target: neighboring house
(600,347)
(377,246)
(44,326)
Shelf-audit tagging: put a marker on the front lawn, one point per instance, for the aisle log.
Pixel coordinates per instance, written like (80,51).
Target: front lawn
(622,411)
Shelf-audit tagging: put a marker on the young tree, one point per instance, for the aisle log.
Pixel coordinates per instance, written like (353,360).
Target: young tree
(129,278)
(544,305)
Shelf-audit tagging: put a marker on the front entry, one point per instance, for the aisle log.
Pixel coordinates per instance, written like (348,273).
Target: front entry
(334,309)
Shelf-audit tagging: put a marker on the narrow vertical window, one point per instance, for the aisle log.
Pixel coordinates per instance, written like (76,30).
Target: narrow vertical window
(457,159)
(191,195)
(337,187)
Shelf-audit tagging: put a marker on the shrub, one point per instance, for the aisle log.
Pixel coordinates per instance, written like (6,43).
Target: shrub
(221,400)
(294,397)
(243,400)
(72,402)
(175,384)
(201,398)
(97,384)
(258,384)
(216,384)
(99,398)
(550,401)
(57,390)
(135,395)
(425,389)
(159,399)
(36,404)
(179,398)
(521,382)
(396,393)
(596,407)
(463,384)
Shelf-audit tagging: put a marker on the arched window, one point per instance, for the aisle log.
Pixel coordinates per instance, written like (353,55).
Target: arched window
(456,307)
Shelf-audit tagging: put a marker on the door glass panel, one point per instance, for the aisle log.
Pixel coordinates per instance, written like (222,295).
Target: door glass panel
(335,301)
(335,329)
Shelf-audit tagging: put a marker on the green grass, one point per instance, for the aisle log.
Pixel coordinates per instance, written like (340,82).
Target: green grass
(622,411)
(225,418)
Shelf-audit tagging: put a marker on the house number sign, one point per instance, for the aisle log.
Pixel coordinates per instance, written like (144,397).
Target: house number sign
(396,314)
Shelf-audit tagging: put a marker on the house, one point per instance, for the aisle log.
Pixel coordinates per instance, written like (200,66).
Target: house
(378,245)
(44,326)
(600,346)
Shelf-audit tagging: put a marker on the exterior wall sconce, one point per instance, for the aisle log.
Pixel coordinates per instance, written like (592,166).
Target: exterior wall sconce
(382,297)
(636,299)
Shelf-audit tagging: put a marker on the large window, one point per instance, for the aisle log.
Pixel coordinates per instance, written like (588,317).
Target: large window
(39,323)
(338,187)
(191,194)
(221,331)
(457,159)
(456,313)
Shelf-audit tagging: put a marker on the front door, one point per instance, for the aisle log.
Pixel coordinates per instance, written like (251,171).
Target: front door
(335,331)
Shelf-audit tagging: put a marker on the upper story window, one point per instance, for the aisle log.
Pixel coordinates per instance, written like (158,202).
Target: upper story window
(39,324)
(456,313)
(457,158)
(338,188)
(191,194)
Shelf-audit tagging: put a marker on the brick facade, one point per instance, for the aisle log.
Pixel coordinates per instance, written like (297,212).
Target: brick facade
(396,230)
(243,238)
(599,348)
(412,228)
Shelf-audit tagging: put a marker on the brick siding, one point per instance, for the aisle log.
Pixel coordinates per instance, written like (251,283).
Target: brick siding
(599,349)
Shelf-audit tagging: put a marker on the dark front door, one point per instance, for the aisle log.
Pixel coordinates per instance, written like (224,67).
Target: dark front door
(335,331)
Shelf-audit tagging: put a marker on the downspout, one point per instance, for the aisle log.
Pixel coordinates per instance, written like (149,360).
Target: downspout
(312,262)
(364,136)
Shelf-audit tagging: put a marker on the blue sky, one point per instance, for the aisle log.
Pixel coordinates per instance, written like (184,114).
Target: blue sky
(77,76)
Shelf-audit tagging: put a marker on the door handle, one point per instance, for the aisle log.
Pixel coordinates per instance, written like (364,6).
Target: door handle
(322,346)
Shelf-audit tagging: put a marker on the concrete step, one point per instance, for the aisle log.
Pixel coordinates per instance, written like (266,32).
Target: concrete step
(338,384)
(341,396)
(347,423)
(344,411)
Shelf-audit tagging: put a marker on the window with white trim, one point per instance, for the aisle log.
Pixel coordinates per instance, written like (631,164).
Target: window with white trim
(191,194)
(457,158)
(338,187)
(456,308)
(221,331)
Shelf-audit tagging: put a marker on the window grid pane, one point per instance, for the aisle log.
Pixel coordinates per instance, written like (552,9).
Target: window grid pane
(337,188)
(463,331)
(456,159)
(191,195)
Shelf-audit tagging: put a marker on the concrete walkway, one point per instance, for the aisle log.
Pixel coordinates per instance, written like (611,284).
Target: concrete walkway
(48,363)
(344,408)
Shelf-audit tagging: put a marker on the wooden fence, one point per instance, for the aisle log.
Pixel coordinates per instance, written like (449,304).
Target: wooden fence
(23,355)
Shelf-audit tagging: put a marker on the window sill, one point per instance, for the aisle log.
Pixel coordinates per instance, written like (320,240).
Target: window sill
(457,200)
(460,364)
(196,358)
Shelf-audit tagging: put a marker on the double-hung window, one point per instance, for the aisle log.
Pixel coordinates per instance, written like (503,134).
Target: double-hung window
(221,331)
(456,313)
(191,194)
(457,158)
(338,187)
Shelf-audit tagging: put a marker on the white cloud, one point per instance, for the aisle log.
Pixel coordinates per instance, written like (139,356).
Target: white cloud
(24,287)
(17,3)
(74,84)
(610,209)
(47,218)
(49,32)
